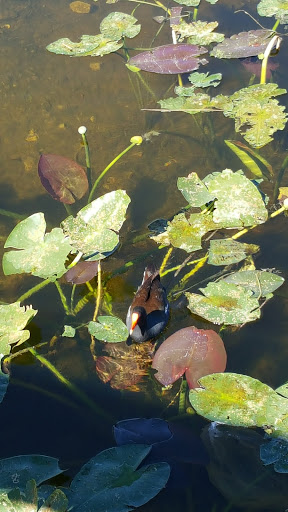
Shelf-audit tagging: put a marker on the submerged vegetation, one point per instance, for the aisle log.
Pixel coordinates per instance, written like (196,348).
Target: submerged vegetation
(71,257)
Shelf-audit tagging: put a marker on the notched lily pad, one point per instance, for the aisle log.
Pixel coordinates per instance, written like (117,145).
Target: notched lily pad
(13,320)
(198,32)
(245,44)
(108,328)
(194,104)
(260,282)
(119,24)
(170,59)
(194,190)
(95,228)
(95,46)
(277,8)
(40,254)
(228,252)
(224,303)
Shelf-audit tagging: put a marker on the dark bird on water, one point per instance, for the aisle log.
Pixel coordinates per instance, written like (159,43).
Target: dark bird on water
(149,311)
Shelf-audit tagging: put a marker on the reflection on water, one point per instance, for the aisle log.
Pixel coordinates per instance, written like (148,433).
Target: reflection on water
(44,99)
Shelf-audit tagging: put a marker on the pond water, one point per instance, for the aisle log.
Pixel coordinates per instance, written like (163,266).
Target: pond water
(44,99)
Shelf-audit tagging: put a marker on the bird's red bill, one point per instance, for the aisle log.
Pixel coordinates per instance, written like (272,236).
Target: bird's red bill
(134,321)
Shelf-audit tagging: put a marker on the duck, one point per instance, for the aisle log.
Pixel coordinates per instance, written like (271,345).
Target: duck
(148,314)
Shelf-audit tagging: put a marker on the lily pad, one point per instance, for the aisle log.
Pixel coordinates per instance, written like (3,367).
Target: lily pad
(186,233)
(260,282)
(235,399)
(194,190)
(82,272)
(228,252)
(64,179)
(27,501)
(277,8)
(198,80)
(111,481)
(96,226)
(95,46)
(198,32)
(239,203)
(17,471)
(224,303)
(13,320)
(68,332)
(275,451)
(170,59)
(245,44)
(40,254)
(119,24)
(108,328)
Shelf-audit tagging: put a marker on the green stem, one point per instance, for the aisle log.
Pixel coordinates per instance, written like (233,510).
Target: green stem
(87,159)
(68,209)
(70,385)
(35,289)
(62,297)
(274,40)
(13,215)
(275,26)
(195,14)
(107,169)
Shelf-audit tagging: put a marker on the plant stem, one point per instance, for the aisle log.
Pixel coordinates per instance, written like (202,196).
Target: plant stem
(68,209)
(87,159)
(13,215)
(99,292)
(107,169)
(35,289)
(275,26)
(276,40)
(62,297)
(70,385)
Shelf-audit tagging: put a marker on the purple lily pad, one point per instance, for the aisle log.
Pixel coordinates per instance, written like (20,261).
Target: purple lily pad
(245,44)
(82,272)
(175,16)
(64,179)
(170,59)
(192,351)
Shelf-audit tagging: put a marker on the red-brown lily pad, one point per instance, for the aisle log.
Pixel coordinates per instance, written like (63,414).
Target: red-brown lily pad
(170,59)
(64,179)
(82,272)
(244,44)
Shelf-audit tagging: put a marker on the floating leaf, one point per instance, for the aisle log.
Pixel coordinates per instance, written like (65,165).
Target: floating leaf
(198,32)
(224,303)
(227,251)
(95,228)
(194,190)
(253,107)
(41,254)
(126,365)
(245,44)
(111,481)
(198,80)
(275,452)
(175,16)
(189,3)
(260,282)
(13,319)
(193,105)
(95,46)
(239,400)
(277,8)
(27,500)
(16,471)
(192,351)
(82,272)
(63,178)
(69,332)
(239,202)
(250,163)
(186,233)
(170,59)
(108,328)
(119,24)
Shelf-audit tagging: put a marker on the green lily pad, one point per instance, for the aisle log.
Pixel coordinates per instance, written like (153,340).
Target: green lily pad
(69,332)
(108,328)
(40,254)
(239,203)
(198,32)
(260,282)
(16,471)
(95,46)
(235,399)
(254,107)
(275,452)
(277,8)
(189,3)
(227,252)
(13,320)
(186,233)
(198,80)
(192,105)
(224,303)
(95,228)
(111,481)
(119,24)
(27,501)
(194,190)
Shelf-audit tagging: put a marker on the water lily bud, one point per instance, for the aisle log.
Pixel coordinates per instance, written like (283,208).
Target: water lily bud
(285,203)
(137,139)
(82,130)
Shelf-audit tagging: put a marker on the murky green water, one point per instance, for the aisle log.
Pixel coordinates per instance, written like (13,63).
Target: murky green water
(44,99)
